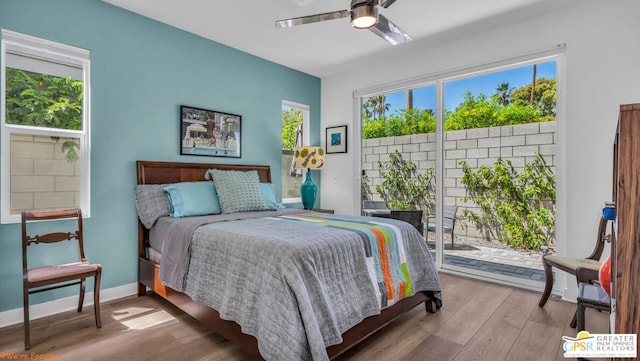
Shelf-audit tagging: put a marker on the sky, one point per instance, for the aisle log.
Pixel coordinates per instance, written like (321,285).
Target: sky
(425,98)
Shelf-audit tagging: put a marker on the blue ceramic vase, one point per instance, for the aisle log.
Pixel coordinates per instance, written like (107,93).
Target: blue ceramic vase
(308,191)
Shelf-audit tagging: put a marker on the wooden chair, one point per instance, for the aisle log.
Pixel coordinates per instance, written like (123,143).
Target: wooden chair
(449,222)
(584,269)
(39,279)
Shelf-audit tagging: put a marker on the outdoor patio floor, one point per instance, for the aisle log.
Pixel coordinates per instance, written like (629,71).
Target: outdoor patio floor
(501,261)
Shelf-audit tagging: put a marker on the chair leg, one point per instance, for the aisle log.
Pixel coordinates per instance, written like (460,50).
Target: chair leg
(574,320)
(27,333)
(81,299)
(96,297)
(548,285)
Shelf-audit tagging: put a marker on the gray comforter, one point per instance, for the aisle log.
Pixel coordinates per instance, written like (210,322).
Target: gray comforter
(294,283)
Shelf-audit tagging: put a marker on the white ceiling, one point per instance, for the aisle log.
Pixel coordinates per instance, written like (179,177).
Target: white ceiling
(329,47)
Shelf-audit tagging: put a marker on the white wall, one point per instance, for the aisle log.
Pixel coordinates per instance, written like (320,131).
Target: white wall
(602,72)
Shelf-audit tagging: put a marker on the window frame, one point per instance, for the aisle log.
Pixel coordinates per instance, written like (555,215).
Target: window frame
(52,52)
(306,137)
(555,53)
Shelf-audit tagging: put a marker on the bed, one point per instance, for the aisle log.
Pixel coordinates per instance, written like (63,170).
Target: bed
(303,295)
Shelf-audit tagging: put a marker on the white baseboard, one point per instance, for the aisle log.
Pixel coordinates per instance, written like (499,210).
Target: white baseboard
(15,316)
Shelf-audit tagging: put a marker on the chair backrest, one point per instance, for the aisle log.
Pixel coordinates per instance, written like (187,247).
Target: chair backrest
(52,237)
(413,217)
(602,238)
(449,216)
(374,204)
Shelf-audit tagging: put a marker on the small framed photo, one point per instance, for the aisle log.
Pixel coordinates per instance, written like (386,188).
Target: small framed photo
(336,139)
(209,133)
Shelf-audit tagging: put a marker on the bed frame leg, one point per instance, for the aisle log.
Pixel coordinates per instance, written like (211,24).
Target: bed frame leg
(430,305)
(142,289)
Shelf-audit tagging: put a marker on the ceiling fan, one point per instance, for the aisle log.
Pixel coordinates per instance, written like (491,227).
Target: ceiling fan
(364,15)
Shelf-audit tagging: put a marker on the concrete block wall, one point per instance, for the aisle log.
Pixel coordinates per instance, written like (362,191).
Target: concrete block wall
(290,184)
(478,147)
(41,176)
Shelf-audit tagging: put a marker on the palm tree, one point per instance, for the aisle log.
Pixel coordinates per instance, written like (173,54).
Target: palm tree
(532,100)
(504,93)
(366,108)
(375,107)
(381,106)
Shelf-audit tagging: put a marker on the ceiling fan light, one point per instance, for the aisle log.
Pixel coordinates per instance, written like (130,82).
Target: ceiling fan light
(363,17)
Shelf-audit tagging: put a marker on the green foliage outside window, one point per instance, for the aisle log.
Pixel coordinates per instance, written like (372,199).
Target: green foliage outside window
(290,120)
(404,122)
(506,107)
(517,208)
(404,187)
(42,100)
(480,112)
(544,97)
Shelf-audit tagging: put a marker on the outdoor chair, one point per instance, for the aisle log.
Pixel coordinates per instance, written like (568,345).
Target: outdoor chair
(449,222)
(413,217)
(49,277)
(369,208)
(584,269)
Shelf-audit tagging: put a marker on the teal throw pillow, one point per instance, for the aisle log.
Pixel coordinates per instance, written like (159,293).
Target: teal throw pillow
(192,199)
(270,196)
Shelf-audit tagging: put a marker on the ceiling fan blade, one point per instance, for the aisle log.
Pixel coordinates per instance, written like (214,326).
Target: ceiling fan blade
(389,31)
(287,23)
(386,3)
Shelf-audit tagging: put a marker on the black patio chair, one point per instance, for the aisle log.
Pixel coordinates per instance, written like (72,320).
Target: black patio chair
(413,217)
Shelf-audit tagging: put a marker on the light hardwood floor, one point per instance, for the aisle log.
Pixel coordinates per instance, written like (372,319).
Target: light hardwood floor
(479,321)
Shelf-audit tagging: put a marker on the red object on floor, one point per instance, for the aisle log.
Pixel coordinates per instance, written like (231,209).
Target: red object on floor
(604,275)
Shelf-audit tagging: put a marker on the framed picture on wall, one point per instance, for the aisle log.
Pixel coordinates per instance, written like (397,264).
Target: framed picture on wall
(336,139)
(210,133)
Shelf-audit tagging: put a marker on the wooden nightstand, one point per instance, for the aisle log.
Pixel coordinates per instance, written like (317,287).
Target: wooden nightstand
(321,210)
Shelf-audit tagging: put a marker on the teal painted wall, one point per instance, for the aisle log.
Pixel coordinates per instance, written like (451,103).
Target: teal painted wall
(141,72)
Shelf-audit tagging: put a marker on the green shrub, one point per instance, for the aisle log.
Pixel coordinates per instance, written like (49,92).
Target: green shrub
(42,100)
(403,122)
(373,128)
(403,186)
(517,208)
(480,112)
(290,120)
(518,114)
(474,112)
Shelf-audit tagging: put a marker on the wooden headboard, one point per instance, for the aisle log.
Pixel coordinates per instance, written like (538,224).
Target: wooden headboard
(150,172)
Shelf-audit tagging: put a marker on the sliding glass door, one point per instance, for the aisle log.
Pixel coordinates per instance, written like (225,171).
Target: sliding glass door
(476,153)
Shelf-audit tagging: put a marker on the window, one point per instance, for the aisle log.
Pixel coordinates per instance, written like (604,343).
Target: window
(295,125)
(45,126)
(443,138)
